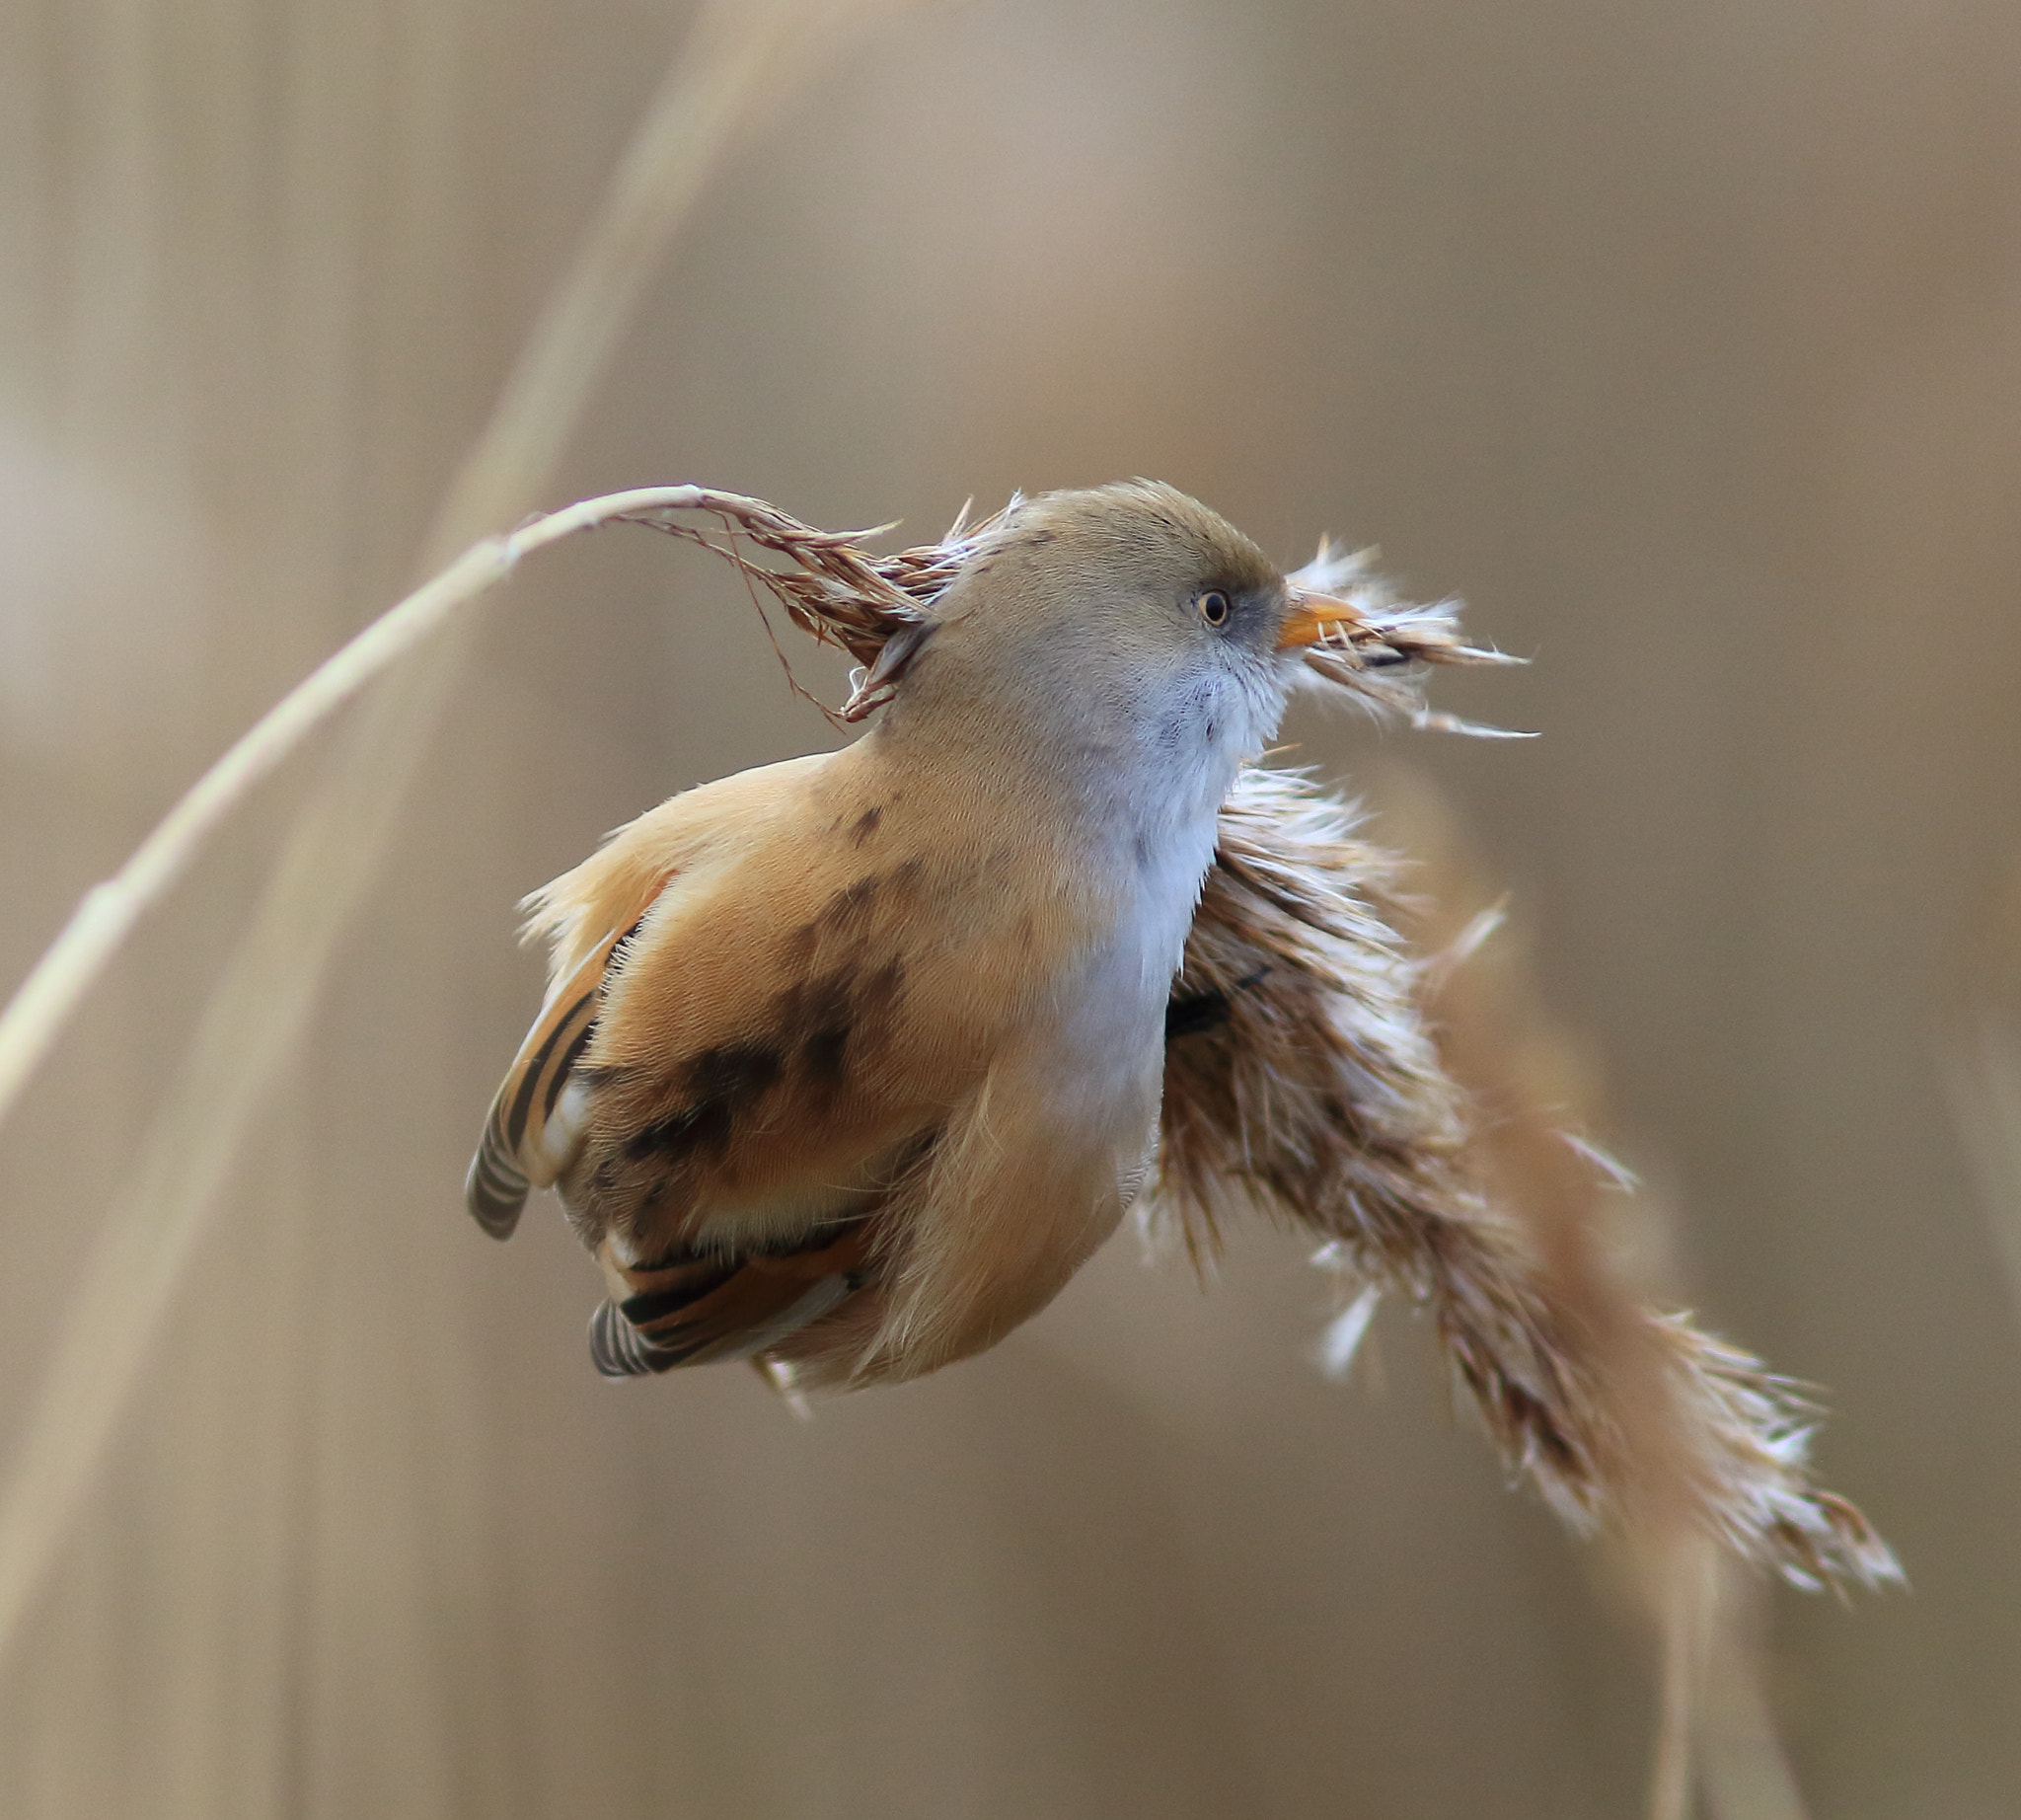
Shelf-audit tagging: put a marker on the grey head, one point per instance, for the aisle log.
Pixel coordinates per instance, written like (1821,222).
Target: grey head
(1122,637)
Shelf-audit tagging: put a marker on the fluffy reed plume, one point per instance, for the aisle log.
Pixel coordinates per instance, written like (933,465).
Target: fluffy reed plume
(1320,1098)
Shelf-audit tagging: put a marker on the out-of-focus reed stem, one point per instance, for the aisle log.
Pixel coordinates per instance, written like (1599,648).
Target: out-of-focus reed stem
(110,912)
(738,55)
(1681,1587)
(1983,1070)
(43,1004)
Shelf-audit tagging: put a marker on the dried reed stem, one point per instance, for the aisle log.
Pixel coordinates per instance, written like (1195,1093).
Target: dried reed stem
(735,59)
(1716,1734)
(43,1006)
(1745,1774)
(1983,1069)
(1683,1597)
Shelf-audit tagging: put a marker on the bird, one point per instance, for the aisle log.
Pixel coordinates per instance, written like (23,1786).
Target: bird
(849,1062)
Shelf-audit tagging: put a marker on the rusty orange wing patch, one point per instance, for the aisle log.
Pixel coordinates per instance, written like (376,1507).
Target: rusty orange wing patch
(696,1307)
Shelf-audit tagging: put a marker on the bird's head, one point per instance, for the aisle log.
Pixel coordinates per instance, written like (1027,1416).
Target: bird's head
(1126,621)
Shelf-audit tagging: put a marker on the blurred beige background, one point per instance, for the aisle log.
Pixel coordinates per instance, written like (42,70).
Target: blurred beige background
(1684,340)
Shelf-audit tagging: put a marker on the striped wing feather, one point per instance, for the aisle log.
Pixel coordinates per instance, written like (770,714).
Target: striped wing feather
(526,1137)
(698,1308)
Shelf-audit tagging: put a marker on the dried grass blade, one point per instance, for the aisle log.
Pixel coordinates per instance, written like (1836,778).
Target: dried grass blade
(110,911)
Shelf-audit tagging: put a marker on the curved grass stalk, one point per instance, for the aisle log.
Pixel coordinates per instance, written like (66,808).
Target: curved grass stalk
(738,58)
(109,912)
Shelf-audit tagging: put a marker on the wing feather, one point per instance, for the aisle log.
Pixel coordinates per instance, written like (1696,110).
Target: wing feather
(697,1307)
(530,1133)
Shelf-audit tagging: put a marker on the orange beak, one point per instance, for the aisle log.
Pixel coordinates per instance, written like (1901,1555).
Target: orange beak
(1314,618)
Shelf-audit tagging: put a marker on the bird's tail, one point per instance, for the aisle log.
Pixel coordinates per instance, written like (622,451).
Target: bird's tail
(496,1187)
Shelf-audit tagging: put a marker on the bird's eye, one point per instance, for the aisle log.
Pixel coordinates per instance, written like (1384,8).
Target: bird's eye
(1214,607)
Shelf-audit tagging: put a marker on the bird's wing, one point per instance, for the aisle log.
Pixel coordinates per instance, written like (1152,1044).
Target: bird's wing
(691,922)
(534,1119)
(686,1306)
(587,915)
(1014,1191)
(692,1307)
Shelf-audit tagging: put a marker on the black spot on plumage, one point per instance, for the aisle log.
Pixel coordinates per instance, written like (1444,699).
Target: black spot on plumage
(1190,1013)
(813,1033)
(1197,1012)
(821,1021)
(847,915)
(848,912)
(718,1085)
(734,1072)
(812,1020)
(662,1135)
(821,1055)
(865,824)
(880,990)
